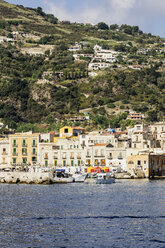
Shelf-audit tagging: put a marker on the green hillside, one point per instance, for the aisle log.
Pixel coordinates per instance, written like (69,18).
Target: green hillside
(41,84)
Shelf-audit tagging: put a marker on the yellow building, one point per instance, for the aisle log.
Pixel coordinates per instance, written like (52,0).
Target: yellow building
(149,164)
(69,132)
(24,148)
(137,163)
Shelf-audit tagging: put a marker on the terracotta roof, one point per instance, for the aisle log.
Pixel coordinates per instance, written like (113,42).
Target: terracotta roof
(100,144)
(121,133)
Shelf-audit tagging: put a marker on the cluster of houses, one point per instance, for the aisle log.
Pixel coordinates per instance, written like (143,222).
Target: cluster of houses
(138,149)
(100,59)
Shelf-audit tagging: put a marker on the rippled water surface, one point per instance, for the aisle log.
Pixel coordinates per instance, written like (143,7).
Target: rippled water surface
(129,213)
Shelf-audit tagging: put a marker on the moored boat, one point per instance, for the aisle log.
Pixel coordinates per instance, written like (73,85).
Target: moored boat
(62,177)
(79,177)
(104,178)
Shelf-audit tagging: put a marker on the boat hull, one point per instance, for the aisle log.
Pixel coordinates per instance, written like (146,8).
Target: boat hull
(105,181)
(79,178)
(62,180)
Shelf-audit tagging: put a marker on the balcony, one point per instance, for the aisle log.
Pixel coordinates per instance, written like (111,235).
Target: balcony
(14,145)
(24,154)
(78,157)
(46,157)
(34,145)
(55,157)
(88,156)
(110,157)
(15,154)
(99,156)
(4,153)
(24,145)
(34,153)
(56,147)
(71,157)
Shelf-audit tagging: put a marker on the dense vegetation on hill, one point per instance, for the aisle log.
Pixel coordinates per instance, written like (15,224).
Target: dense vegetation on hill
(28,99)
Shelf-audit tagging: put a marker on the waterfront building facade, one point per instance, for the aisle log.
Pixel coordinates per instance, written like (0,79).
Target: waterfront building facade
(4,153)
(147,164)
(24,148)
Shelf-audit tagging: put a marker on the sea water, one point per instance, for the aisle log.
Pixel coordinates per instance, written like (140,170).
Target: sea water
(128,213)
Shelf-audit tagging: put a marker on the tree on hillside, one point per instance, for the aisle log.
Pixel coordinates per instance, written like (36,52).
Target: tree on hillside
(103,26)
(114,26)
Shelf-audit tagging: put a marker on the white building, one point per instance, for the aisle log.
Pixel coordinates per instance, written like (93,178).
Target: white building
(75,48)
(99,65)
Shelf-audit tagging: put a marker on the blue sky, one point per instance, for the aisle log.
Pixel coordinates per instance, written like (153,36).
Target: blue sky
(149,15)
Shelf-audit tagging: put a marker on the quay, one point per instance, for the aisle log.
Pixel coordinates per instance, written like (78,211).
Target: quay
(13,177)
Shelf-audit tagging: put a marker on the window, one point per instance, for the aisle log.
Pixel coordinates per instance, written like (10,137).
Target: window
(64,163)
(66,130)
(24,160)
(46,155)
(34,151)
(24,142)
(55,162)
(102,162)
(120,155)
(102,152)
(72,162)
(14,142)
(79,162)
(64,155)
(79,155)
(56,155)
(34,159)
(138,127)
(96,162)
(139,162)
(88,161)
(14,160)
(34,142)
(62,147)
(72,155)
(14,151)
(96,152)
(46,163)
(24,151)
(4,150)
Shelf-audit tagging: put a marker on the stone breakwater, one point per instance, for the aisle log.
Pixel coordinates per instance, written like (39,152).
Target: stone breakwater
(26,177)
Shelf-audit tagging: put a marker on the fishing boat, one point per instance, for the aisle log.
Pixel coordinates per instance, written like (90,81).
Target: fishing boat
(79,177)
(62,177)
(104,178)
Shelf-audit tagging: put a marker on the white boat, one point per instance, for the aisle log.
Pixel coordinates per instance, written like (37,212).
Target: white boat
(62,177)
(79,177)
(104,178)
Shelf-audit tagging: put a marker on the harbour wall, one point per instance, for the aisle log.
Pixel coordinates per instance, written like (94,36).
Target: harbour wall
(26,177)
